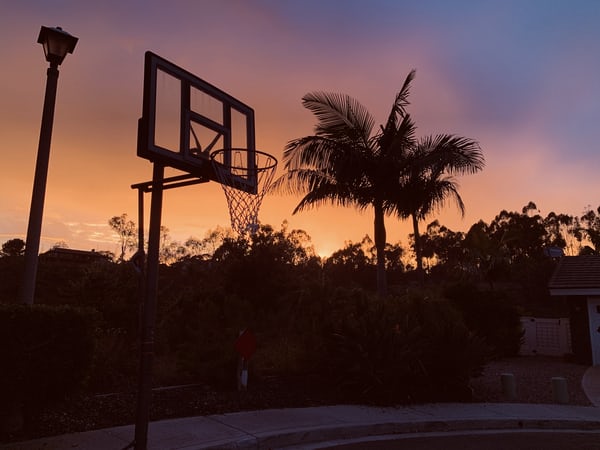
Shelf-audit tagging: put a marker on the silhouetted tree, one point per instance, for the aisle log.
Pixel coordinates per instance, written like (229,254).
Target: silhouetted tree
(393,259)
(347,164)
(60,244)
(590,226)
(485,256)
(127,233)
(443,245)
(352,265)
(265,266)
(519,234)
(206,247)
(563,231)
(428,181)
(170,250)
(11,269)
(13,247)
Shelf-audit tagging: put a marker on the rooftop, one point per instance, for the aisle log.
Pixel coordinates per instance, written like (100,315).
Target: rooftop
(576,275)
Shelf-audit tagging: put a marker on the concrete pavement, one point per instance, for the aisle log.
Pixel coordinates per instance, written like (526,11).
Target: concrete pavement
(591,384)
(305,428)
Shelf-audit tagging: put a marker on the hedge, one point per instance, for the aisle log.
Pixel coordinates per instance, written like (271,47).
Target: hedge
(45,351)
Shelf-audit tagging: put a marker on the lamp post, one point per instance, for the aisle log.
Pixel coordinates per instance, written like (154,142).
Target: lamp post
(57,43)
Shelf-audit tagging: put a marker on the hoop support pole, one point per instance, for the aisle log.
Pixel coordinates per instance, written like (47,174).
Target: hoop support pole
(149,312)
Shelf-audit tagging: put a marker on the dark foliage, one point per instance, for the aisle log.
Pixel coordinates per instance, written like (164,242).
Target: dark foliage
(46,352)
(351,266)
(489,315)
(401,351)
(11,272)
(314,321)
(13,247)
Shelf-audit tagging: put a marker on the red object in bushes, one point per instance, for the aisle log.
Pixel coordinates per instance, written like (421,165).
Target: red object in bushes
(245,344)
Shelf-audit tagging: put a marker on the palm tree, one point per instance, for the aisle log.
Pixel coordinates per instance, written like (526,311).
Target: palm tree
(430,183)
(345,163)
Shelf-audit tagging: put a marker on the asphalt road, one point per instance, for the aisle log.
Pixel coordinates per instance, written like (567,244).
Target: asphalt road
(488,440)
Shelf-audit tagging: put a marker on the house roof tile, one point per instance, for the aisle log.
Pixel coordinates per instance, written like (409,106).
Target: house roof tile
(576,272)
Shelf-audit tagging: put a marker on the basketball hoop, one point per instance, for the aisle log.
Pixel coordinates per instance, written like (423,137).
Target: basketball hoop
(245,176)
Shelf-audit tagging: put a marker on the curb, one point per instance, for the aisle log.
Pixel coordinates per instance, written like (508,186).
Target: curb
(321,435)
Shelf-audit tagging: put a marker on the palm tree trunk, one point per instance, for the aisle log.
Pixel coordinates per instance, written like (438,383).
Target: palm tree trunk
(417,249)
(380,238)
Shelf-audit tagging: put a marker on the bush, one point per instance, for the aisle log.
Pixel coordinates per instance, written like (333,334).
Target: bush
(46,352)
(402,350)
(200,333)
(490,316)
(115,364)
(11,268)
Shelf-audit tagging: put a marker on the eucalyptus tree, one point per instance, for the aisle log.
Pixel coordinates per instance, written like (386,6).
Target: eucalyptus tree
(520,235)
(563,231)
(126,230)
(590,227)
(353,265)
(443,245)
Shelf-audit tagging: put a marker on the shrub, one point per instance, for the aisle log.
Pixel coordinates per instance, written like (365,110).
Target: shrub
(46,351)
(115,364)
(11,268)
(402,350)
(490,316)
(201,333)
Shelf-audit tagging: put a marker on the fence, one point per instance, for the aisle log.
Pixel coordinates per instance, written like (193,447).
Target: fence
(551,337)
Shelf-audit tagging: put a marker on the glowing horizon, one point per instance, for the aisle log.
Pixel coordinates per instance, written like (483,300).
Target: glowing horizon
(505,74)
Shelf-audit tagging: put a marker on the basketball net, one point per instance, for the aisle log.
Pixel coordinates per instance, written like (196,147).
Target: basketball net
(244,187)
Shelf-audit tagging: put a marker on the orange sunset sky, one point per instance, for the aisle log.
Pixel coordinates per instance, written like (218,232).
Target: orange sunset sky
(521,77)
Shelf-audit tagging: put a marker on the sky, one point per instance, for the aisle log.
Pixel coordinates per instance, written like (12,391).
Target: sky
(521,77)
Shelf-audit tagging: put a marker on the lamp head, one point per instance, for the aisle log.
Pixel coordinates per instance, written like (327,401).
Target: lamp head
(57,43)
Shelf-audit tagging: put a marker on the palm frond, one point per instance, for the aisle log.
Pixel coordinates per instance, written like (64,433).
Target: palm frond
(397,112)
(310,151)
(299,181)
(422,191)
(402,140)
(456,154)
(325,193)
(437,192)
(340,117)
(319,187)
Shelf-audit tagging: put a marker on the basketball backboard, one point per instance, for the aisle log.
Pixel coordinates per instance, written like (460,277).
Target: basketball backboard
(185,119)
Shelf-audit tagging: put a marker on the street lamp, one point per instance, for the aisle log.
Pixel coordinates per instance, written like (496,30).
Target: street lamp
(57,43)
